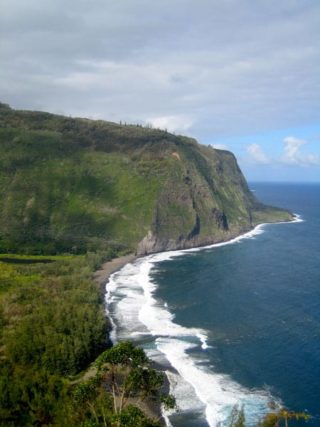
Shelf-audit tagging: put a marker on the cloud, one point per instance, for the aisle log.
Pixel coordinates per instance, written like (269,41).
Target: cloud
(135,59)
(171,123)
(292,154)
(291,150)
(220,146)
(257,154)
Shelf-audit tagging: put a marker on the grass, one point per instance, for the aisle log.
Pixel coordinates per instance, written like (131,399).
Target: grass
(80,201)
(76,185)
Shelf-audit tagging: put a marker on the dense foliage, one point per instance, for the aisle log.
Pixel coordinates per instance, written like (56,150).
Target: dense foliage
(52,325)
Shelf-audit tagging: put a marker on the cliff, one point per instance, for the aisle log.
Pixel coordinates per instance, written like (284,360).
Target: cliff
(76,185)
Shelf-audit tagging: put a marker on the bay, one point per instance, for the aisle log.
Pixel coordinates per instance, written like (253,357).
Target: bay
(239,322)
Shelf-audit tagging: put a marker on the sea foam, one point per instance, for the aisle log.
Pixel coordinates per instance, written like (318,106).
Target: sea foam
(138,315)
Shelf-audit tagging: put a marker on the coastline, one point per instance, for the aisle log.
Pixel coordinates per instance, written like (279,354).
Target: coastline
(102,275)
(152,409)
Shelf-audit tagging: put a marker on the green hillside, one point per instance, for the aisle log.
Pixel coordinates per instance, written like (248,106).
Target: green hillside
(73,185)
(75,193)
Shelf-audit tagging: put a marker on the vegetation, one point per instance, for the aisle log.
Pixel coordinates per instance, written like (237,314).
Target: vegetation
(77,185)
(52,326)
(280,418)
(123,373)
(127,372)
(74,193)
(237,417)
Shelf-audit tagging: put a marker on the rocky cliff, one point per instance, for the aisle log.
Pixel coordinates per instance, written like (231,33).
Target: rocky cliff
(205,200)
(73,185)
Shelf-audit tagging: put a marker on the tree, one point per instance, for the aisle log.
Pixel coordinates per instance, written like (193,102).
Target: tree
(237,417)
(275,419)
(128,372)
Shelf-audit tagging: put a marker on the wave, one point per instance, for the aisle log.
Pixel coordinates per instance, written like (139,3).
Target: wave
(297,218)
(138,315)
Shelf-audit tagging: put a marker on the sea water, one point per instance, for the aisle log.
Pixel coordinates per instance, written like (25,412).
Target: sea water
(238,322)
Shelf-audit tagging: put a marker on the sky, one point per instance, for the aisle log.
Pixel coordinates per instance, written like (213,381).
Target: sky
(242,75)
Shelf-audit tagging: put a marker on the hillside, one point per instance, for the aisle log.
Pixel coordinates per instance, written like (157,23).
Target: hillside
(77,185)
(76,193)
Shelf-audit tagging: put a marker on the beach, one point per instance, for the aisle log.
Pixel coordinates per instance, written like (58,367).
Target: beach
(151,408)
(102,275)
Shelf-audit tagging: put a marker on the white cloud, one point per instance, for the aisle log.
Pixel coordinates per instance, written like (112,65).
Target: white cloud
(257,154)
(220,146)
(291,150)
(292,153)
(134,59)
(179,123)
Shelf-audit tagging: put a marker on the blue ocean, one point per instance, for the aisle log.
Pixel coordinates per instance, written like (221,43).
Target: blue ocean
(236,323)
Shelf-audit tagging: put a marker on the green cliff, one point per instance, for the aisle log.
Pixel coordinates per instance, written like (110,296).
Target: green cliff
(77,185)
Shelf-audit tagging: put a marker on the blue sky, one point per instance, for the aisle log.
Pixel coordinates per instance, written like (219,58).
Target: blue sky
(290,155)
(239,74)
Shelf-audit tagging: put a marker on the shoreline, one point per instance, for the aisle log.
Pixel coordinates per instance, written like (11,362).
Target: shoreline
(149,407)
(101,276)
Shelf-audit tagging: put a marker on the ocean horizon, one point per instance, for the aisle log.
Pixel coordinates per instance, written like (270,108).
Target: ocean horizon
(239,321)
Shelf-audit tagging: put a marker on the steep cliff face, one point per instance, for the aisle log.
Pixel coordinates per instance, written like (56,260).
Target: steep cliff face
(78,185)
(205,200)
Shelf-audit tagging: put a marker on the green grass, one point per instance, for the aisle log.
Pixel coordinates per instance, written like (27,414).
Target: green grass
(72,201)
(75,185)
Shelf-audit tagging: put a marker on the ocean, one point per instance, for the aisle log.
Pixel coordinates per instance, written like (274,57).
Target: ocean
(236,323)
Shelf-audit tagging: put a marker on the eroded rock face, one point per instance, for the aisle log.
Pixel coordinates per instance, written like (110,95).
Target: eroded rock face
(220,218)
(152,244)
(200,206)
(147,245)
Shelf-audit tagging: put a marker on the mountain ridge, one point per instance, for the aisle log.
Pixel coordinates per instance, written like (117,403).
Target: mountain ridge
(78,185)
